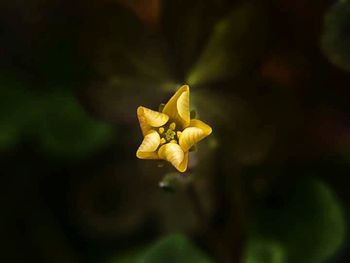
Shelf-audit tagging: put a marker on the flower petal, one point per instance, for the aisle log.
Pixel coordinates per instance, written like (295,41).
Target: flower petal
(201,125)
(178,107)
(150,118)
(148,146)
(173,153)
(147,155)
(197,131)
(183,165)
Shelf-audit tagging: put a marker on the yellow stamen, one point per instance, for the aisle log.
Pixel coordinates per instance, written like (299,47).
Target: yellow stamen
(172,126)
(162,141)
(169,135)
(161,130)
(173,141)
(178,134)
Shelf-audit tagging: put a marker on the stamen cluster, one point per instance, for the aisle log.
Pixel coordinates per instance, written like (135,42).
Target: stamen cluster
(169,133)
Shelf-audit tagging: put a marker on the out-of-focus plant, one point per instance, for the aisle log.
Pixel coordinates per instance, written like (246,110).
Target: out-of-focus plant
(15,110)
(54,118)
(173,249)
(336,37)
(230,49)
(305,225)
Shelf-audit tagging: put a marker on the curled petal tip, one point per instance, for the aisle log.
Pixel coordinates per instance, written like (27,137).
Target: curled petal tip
(210,130)
(183,107)
(139,109)
(174,154)
(196,132)
(184,164)
(149,145)
(185,87)
(149,118)
(177,108)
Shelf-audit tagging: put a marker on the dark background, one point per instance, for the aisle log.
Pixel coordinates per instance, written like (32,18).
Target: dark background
(270,185)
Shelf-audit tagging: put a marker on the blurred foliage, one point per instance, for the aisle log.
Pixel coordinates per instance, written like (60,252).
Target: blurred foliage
(231,47)
(307,224)
(336,36)
(67,131)
(54,118)
(187,25)
(15,109)
(172,249)
(264,251)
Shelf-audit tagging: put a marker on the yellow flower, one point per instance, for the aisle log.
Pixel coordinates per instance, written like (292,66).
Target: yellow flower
(169,135)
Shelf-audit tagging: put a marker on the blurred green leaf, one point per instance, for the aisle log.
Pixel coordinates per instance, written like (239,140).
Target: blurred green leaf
(187,26)
(335,40)
(264,251)
(174,249)
(16,109)
(236,43)
(310,223)
(56,118)
(67,130)
(9,136)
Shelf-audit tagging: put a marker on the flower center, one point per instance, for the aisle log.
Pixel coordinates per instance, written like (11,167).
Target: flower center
(168,133)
